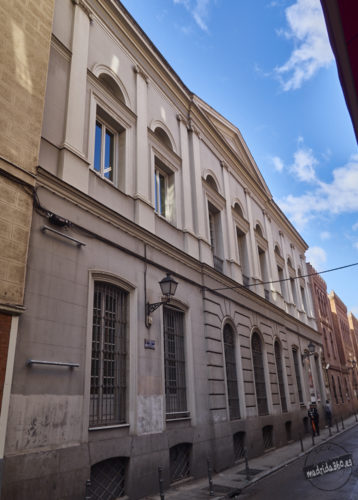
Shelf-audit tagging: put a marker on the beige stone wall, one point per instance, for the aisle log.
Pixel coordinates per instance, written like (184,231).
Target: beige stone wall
(25,29)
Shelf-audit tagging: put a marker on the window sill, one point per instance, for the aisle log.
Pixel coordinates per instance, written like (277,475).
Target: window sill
(176,419)
(164,219)
(105,427)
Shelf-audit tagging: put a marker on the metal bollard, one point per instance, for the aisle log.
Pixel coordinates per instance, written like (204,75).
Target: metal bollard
(161,481)
(210,478)
(330,430)
(300,438)
(342,423)
(88,492)
(337,426)
(246,465)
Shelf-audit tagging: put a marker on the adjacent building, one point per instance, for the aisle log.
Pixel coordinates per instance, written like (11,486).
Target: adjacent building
(139,178)
(339,351)
(24,56)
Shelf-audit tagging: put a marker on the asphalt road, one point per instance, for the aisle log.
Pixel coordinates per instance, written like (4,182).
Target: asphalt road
(290,483)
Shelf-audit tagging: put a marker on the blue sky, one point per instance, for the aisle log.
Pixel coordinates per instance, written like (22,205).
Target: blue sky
(267,66)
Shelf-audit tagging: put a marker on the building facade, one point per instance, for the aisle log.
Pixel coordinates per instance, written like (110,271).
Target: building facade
(138,177)
(337,372)
(346,351)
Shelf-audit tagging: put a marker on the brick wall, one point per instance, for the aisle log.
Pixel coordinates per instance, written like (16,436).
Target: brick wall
(25,31)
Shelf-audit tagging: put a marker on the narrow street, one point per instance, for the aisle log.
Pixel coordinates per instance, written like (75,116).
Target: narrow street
(290,482)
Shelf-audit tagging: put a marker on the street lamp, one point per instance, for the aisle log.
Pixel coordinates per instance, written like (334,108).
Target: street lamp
(168,286)
(311,351)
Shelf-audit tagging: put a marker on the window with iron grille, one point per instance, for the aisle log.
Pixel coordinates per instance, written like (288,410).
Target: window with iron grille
(281,384)
(174,363)
(179,462)
(108,479)
(297,372)
(109,353)
(239,445)
(231,374)
(267,435)
(259,374)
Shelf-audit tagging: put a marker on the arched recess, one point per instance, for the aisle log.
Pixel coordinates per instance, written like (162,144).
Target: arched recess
(109,78)
(162,132)
(259,230)
(237,208)
(212,180)
(277,249)
(258,362)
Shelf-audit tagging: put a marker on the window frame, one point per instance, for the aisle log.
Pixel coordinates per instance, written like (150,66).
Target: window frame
(120,400)
(262,402)
(180,412)
(232,386)
(165,161)
(102,102)
(115,134)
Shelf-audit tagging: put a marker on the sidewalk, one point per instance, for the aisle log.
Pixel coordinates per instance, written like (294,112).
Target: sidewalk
(232,480)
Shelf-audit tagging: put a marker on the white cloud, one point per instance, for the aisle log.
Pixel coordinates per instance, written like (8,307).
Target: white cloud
(316,256)
(355,226)
(277,163)
(355,245)
(339,196)
(304,163)
(325,235)
(307,29)
(199,10)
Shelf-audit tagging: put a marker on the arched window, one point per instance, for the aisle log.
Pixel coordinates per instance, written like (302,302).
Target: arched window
(109,356)
(231,374)
(281,385)
(259,374)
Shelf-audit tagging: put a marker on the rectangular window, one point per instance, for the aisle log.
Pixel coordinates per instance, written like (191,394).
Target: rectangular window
(160,183)
(109,356)
(174,363)
(104,151)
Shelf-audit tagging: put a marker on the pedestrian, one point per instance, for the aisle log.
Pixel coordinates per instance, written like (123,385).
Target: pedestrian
(313,415)
(328,413)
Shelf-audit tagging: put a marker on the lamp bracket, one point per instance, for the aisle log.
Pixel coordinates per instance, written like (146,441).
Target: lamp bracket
(152,307)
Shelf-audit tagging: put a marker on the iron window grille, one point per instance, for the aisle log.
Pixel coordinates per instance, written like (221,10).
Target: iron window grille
(174,363)
(297,372)
(231,373)
(259,373)
(179,458)
(109,356)
(108,479)
(267,434)
(281,384)
(239,445)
